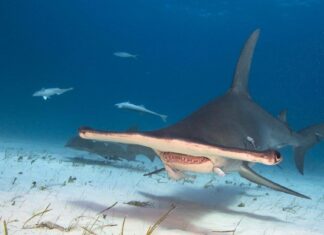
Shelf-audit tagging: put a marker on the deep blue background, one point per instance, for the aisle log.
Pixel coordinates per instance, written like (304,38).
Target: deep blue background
(187,53)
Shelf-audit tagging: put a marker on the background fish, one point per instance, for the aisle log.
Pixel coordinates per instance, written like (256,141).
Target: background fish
(123,54)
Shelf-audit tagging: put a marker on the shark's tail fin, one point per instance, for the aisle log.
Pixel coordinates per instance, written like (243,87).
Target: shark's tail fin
(62,91)
(68,89)
(310,136)
(164,117)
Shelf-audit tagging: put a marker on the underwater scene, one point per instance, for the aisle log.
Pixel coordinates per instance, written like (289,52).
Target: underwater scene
(163,117)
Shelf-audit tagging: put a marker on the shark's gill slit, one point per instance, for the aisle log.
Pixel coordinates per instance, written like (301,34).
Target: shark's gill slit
(172,157)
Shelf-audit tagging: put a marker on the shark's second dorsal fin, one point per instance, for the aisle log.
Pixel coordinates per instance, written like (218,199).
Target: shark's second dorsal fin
(241,75)
(283,116)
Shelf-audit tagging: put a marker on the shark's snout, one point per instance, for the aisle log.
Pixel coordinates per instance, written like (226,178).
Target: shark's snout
(270,157)
(83,131)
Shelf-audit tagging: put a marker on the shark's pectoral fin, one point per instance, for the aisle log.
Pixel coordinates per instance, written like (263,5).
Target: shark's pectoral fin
(45,97)
(247,173)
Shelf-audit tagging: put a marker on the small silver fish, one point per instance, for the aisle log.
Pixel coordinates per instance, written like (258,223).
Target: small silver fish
(139,108)
(123,54)
(48,92)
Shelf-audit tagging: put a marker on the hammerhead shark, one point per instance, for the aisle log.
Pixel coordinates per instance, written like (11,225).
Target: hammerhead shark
(228,134)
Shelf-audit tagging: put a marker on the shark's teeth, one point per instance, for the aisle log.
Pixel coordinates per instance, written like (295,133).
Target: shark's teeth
(171,157)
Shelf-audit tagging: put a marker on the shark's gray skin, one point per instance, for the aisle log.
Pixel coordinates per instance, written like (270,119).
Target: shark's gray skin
(232,121)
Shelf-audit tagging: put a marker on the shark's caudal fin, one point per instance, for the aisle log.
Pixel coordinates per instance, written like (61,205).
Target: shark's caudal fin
(62,91)
(311,136)
(68,89)
(247,173)
(164,118)
(241,75)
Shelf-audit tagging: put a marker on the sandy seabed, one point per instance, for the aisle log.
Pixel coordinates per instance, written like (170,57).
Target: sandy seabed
(72,192)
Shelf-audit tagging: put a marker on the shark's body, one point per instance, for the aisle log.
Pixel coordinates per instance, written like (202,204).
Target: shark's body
(140,108)
(123,54)
(48,92)
(232,123)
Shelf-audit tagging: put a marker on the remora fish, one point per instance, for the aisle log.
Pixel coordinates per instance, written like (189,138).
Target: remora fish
(197,142)
(123,54)
(139,108)
(48,92)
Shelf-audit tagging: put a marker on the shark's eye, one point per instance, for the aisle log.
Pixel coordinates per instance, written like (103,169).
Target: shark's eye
(277,156)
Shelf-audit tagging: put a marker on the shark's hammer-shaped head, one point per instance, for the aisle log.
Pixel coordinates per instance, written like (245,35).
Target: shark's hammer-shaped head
(182,148)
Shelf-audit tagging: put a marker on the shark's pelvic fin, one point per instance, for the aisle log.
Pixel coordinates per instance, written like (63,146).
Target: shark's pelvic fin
(247,173)
(241,75)
(310,136)
(299,155)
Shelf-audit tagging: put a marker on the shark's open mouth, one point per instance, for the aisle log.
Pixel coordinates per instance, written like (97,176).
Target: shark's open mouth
(171,157)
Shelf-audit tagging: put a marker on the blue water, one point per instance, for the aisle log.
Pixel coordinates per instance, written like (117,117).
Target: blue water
(186,49)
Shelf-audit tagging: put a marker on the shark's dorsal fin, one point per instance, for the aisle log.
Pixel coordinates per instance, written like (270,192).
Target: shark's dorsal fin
(241,75)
